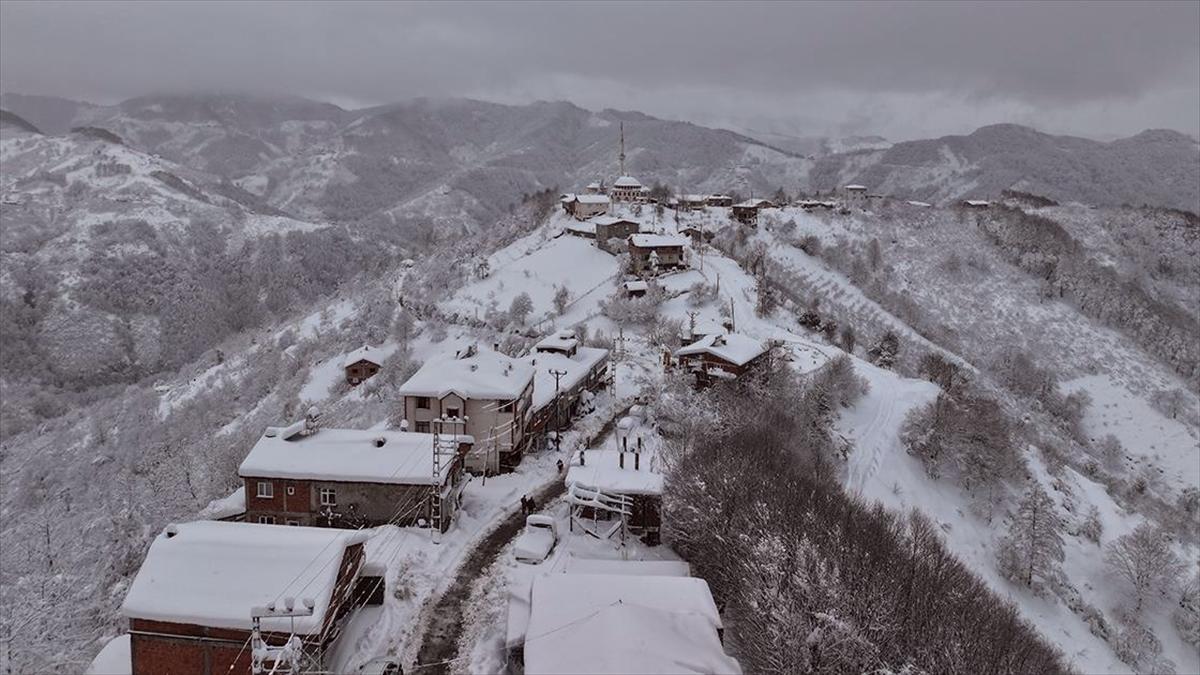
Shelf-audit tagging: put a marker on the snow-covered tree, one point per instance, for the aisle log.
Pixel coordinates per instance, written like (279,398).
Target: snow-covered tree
(1032,549)
(884,352)
(562,296)
(520,308)
(1144,562)
(1092,526)
(1186,616)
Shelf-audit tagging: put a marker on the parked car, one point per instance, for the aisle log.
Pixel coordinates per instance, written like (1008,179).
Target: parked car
(538,539)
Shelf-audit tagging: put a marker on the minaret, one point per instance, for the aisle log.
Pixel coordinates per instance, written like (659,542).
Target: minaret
(621,156)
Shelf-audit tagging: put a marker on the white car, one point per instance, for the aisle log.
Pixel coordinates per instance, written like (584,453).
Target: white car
(538,539)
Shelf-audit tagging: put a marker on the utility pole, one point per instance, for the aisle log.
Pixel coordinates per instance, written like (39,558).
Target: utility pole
(557,409)
(456,427)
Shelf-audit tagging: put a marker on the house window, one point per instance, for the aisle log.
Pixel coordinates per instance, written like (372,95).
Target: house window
(293,522)
(452,412)
(266,520)
(422,427)
(423,402)
(328,497)
(266,489)
(506,407)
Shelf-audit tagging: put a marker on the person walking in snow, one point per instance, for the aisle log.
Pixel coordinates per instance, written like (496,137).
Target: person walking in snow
(560,466)
(524,505)
(532,508)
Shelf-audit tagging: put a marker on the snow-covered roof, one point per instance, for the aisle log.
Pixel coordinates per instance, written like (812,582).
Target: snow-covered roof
(225,507)
(212,573)
(114,659)
(657,240)
(603,472)
(562,341)
(856,188)
(351,455)
(577,369)
(644,568)
(582,226)
(921,204)
(693,198)
(363,353)
(594,185)
(612,220)
(627,182)
(567,196)
(719,197)
(477,373)
(977,202)
(753,204)
(592,199)
(603,623)
(638,285)
(735,348)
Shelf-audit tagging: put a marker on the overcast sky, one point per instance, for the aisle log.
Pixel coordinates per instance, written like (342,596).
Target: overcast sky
(899,70)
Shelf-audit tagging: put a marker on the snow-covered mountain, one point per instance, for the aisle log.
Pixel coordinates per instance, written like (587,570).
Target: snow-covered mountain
(1156,167)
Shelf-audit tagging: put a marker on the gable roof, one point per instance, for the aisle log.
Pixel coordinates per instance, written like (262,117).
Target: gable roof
(627,182)
(575,368)
(607,623)
(473,373)
(613,220)
(211,573)
(350,455)
(657,240)
(754,204)
(363,353)
(734,348)
(592,199)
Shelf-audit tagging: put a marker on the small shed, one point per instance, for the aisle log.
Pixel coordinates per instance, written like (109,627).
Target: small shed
(361,364)
(635,289)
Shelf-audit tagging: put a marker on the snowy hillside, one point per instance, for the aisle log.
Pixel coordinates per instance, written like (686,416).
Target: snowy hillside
(1156,167)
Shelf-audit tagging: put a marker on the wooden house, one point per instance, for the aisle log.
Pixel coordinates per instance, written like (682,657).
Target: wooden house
(719,200)
(351,478)
(608,228)
(746,212)
(583,207)
(189,607)
(494,392)
(720,356)
(854,193)
(651,253)
(361,364)
(686,203)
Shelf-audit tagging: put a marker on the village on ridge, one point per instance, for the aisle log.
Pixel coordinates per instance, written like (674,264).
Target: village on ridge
(288,574)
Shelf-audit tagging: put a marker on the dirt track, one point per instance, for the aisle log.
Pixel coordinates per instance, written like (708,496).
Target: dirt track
(439,644)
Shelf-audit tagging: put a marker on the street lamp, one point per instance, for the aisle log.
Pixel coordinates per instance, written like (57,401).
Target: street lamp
(557,408)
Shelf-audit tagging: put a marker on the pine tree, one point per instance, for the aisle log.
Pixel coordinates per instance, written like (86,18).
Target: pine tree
(1033,547)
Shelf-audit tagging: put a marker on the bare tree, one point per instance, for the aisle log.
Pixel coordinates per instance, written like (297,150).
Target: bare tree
(1145,563)
(1033,547)
(520,308)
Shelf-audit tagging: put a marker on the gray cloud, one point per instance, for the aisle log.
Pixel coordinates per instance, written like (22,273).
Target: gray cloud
(901,69)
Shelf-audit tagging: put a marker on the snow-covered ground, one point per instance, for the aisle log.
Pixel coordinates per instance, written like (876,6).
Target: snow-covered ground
(879,470)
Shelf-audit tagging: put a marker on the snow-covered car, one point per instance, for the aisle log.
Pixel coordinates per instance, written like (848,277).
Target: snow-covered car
(538,539)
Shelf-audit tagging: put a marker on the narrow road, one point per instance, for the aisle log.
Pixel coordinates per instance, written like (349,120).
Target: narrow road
(439,644)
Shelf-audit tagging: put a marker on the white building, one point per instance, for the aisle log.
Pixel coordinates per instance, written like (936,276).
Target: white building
(493,391)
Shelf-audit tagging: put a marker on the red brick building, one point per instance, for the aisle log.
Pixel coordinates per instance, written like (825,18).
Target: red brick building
(353,478)
(190,606)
